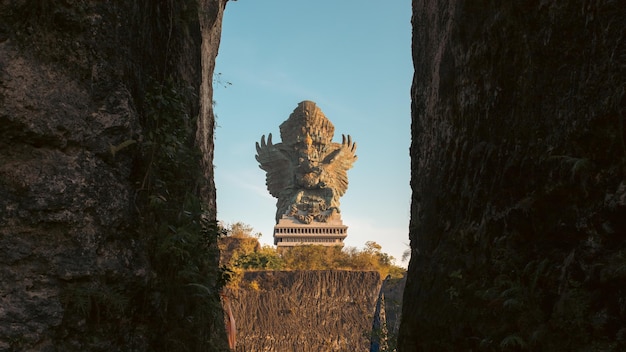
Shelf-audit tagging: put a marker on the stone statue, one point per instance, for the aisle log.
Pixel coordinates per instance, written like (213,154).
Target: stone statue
(307,172)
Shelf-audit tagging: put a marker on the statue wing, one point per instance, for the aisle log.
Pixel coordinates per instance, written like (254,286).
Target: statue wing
(338,163)
(277,165)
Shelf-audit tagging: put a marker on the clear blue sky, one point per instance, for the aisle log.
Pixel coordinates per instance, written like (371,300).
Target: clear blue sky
(352,58)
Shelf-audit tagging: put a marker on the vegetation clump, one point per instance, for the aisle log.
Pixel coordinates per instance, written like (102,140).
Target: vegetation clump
(185,290)
(246,255)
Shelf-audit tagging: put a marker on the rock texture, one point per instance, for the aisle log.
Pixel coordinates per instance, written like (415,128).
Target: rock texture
(305,310)
(72,78)
(66,201)
(518,217)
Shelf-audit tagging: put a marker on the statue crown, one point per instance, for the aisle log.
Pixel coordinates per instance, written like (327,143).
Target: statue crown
(307,122)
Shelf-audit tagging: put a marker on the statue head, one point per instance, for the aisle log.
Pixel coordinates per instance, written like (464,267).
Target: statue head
(306,122)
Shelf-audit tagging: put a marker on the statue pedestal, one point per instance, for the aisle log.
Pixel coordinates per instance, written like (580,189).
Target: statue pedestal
(290,232)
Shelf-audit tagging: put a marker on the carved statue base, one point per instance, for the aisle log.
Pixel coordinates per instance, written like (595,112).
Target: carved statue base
(290,232)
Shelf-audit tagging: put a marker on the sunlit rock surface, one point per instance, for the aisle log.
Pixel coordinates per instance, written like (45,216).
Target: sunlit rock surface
(305,310)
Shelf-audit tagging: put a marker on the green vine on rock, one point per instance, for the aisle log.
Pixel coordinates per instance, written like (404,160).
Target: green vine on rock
(184,295)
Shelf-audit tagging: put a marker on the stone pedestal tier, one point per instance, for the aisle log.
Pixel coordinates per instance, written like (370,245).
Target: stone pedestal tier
(290,232)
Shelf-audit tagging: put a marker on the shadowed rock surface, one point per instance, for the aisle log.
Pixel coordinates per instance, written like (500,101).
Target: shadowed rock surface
(305,310)
(73,76)
(518,216)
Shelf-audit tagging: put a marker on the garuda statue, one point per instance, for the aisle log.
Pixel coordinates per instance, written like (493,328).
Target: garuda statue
(307,172)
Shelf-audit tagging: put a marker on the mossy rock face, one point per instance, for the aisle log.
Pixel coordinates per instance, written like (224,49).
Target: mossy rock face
(76,184)
(517,223)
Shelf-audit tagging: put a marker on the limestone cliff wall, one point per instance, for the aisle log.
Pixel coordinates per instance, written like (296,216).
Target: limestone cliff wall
(518,215)
(305,310)
(73,83)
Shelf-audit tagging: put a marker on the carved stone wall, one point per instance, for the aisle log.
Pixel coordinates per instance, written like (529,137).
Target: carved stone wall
(518,215)
(305,310)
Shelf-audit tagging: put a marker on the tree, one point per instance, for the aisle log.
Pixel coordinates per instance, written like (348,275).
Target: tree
(240,230)
(264,259)
(313,257)
(247,254)
(372,247)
